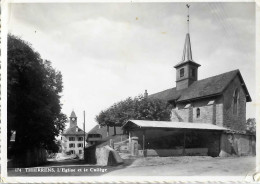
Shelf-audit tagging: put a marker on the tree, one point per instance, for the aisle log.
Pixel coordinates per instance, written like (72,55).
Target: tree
(33,97)
(251,125)
(139,108)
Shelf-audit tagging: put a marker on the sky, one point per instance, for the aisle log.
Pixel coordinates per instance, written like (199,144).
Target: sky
(107,52)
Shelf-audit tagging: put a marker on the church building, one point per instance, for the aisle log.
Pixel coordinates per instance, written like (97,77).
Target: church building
(208,115)
(73,137)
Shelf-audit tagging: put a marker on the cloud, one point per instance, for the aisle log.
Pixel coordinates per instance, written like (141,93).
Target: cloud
(109,51)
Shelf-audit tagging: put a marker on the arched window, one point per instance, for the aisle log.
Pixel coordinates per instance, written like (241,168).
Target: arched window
(198,112)
(235,101)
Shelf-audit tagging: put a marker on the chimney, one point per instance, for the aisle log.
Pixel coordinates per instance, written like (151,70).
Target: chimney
(145,94)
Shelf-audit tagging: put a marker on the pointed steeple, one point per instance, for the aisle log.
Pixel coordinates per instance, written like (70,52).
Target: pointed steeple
(73,115)
(187,54)
(187,69)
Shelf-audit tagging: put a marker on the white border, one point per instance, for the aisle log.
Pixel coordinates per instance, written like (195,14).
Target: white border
(112,179)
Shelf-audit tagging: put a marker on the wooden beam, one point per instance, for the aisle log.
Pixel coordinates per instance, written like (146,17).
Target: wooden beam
(184,142)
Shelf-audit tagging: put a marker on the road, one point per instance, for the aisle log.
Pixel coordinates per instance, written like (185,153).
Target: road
(190,166)
(153,166)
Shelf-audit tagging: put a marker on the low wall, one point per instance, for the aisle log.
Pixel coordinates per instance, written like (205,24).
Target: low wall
(176,152)
(237,144)
(29,158)
(106,156)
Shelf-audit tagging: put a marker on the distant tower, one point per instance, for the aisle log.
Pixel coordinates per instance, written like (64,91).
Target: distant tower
(145,94)
(73,119)
(187,69)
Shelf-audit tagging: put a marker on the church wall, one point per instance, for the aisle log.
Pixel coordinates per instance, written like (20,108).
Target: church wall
(180,115)
(212,114)
(234,121)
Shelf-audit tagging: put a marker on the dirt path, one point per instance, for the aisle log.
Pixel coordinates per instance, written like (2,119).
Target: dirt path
(188,166)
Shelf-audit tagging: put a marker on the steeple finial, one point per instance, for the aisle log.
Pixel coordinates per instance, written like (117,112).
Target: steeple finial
(187,55)
(188,17)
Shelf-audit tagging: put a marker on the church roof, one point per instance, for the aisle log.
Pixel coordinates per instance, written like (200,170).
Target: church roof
(73,131)
(73,115)
(211,86)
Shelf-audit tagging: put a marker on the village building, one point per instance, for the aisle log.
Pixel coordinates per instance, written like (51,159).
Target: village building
(100,134)
(73,137)
(208,116)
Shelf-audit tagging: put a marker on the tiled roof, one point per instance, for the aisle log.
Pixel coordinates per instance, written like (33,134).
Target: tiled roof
(211,86)
(103,131)
(168,94)
(72,131)
(94,130)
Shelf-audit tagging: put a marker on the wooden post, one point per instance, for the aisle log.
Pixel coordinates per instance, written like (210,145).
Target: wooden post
(84,136)
(184,142)
(114,130)
(144,143)
(129,133)
(107,130)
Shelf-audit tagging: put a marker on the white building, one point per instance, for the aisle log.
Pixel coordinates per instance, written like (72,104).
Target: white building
(73,137)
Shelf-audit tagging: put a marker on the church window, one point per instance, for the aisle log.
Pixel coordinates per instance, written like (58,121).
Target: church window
(235,102)
(71,138)
(71,145)
(198,112)
(182,72)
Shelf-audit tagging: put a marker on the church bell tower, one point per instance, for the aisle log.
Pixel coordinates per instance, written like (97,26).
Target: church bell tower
(187,69)
(73,119)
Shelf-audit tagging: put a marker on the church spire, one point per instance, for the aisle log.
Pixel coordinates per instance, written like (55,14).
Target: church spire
(187,54)
(187,69)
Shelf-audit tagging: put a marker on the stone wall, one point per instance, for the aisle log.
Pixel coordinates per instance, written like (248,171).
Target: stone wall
(231,120)
(237,144)
(209,113)
(180,115)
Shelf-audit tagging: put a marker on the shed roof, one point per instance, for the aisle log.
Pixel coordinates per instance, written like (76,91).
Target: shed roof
(171,125)
(211,86)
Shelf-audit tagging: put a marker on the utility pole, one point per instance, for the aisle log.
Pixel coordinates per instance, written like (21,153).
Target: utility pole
(84,134)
